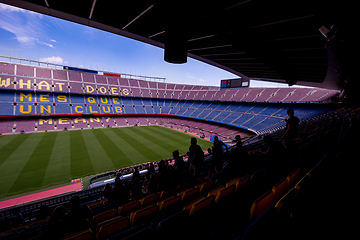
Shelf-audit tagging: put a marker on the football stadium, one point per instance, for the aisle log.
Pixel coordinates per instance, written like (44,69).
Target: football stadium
(94,154)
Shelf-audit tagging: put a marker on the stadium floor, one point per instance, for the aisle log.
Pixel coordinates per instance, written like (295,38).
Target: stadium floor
(33,161)
(41,195)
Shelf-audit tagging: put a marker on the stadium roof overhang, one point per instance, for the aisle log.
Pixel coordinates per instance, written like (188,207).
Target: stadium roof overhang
(276,41)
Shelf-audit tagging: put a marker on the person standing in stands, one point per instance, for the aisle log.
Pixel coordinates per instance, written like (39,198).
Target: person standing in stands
(239,157)
(121,193)
(292,126)
(196,157)
(179,166)
(217,156)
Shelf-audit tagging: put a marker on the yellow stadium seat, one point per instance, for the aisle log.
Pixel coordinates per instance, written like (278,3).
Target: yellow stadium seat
(201,205)
(142,214)
(224,193)
(93,204)
(312,171)
(204,187)
(127,208)
(168,203)
(261,204)
(232,182)
(215,191)
(100,217)
(190,204)
(86,234)
(285,203)
(188,194)
(280,188)
(111,226)
(150,199)
(292,177)
(301,185)
(166,193)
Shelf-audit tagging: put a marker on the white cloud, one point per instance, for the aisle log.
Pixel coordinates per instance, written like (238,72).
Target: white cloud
(4,7)
(188,75)
(47,44)
(52,40)
(53,59)
(25,40)
(25,25)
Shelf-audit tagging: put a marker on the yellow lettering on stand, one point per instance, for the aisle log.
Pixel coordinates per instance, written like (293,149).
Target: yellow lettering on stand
(116,101)
(62,99)
(43,98)
(3,83)
(48,109)
(79,119)
(22,84)
(44,84)
(103,90)
(60,85)
(104,101)
(126,91)
(118,109)
(90,108)
(42,121)
(77,109)
(91,100)
(114,91)
(28,110)
(64,121)
(108,110)
(94,119)
(22,96)
(89,89)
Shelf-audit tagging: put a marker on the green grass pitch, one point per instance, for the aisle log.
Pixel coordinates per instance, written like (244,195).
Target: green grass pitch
(32,161)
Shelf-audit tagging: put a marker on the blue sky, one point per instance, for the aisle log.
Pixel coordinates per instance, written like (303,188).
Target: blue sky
(35,36)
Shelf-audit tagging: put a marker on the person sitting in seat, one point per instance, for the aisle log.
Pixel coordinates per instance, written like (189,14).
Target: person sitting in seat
(76,219)
(54,225)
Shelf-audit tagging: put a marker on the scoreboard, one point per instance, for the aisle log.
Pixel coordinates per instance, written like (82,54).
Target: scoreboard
(234,83)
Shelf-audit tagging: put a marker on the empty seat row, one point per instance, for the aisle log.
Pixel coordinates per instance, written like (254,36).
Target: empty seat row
(274,209)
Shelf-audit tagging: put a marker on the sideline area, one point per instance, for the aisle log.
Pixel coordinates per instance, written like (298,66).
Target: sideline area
(41,195)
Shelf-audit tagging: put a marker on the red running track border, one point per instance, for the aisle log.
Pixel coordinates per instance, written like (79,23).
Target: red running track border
(40,195)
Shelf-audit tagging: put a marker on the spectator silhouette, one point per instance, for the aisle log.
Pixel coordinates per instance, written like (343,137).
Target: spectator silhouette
(227,173)
(275,151)
(217,156)
(76,218)
(53,227)
(150,184)
(136,189)
(108,193)
(44,212)
(163,176)
(178,167)
(118,176)
(291,129)
(239,157)
(121,193)
(151,169)
(17,218)
(136,174)
(196,157)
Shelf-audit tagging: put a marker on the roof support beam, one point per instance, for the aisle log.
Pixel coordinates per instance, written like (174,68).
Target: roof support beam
(92,9)
(221,46)
(282,21)
(150,7)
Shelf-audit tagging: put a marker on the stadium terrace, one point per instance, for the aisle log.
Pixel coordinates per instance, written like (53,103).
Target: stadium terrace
(49,102)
